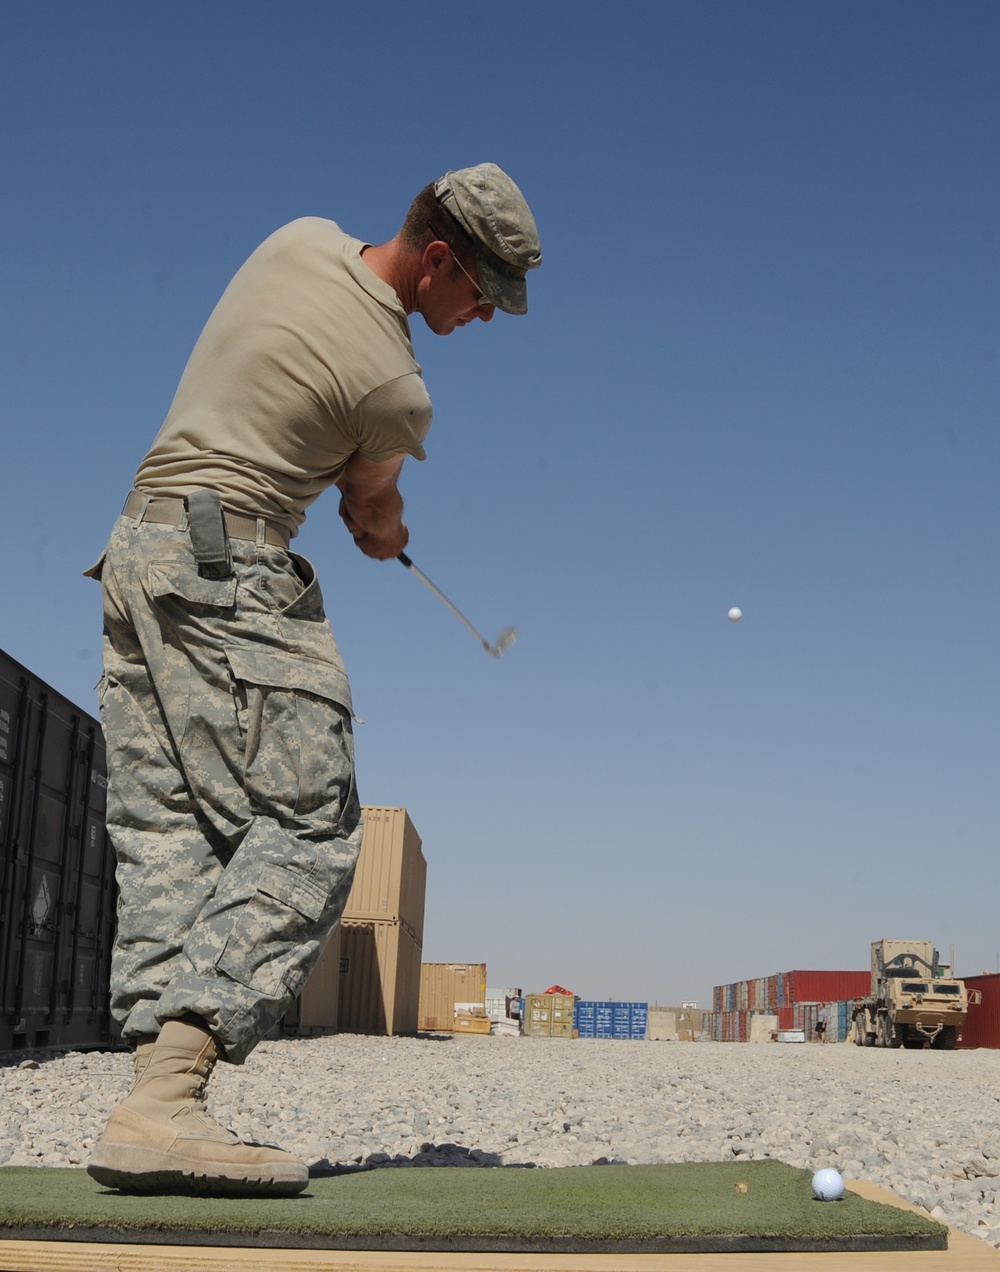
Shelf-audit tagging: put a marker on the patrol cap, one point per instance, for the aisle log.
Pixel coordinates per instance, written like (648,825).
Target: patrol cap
(490,207)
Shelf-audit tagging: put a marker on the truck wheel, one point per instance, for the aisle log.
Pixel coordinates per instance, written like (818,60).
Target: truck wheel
(869,1040)
(946,1039)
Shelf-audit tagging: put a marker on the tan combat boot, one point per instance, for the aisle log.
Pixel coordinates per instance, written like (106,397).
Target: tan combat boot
(162,1139)
(140,1058)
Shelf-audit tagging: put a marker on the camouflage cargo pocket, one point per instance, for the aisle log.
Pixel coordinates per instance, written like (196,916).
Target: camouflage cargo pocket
(181,579)
(264,951)
(295,716)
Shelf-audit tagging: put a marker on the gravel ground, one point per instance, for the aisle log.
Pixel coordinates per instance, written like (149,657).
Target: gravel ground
(921,1123)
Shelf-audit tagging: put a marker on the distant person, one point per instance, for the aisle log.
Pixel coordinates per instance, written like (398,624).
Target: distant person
(821,1028)
(232,803)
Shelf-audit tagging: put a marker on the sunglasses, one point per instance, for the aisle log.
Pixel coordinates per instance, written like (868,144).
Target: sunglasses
(481,298)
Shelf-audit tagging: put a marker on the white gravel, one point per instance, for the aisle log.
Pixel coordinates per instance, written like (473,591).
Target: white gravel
(921,1123)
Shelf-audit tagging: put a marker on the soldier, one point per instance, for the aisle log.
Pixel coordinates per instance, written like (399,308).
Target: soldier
(232,802)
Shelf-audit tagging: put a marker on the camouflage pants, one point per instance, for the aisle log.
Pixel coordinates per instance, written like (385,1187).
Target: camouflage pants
(231,800)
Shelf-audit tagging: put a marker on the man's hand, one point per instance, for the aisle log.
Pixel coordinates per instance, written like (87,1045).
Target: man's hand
(372,508)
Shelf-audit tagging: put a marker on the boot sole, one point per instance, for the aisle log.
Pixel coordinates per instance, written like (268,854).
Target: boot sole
(131,1169)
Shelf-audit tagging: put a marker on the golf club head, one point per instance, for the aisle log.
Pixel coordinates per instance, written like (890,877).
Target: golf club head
(503,642)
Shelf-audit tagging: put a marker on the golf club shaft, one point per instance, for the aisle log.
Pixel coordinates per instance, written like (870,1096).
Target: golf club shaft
(441,596)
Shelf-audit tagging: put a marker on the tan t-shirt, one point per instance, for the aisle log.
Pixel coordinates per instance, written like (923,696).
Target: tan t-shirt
(305,360)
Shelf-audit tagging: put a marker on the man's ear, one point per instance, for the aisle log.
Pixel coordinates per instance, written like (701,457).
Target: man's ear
(435,256)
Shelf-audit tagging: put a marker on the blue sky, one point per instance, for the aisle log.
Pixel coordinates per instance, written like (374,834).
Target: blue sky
(760,368)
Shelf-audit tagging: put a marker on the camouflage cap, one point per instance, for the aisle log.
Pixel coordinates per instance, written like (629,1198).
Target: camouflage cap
(490,207)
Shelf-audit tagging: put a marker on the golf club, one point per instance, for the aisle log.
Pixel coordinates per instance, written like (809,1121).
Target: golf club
(503,641)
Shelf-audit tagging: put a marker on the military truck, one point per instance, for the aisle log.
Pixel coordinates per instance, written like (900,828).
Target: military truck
(913,999)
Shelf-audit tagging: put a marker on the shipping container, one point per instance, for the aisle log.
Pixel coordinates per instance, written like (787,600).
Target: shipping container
(549,1015)
(387,892)
(538,1015)
(316,1010)
(738,1026)
(822,986)
(442,985)
(982,1025)
(57,888)
(785,989)
(806,1015)
(379,987)
(611,1019)
(390,881)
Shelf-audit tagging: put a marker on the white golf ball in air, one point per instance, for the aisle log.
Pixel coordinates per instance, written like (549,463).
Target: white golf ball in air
(828,1184)
(735,614)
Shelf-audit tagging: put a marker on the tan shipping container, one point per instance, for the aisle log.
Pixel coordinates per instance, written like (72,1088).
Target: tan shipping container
(442,985)
(315,1010)
(549,1015)
(379,978)
(391,877)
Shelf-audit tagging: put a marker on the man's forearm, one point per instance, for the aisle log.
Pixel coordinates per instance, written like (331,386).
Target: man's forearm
(372,507)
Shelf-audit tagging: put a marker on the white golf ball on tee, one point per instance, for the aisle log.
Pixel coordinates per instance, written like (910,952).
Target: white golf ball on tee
(735,614)
(828,1184)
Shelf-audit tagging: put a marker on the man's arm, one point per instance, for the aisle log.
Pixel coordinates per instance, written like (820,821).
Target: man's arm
(372,507)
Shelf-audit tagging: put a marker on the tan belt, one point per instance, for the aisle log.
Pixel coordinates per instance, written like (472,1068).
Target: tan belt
(171,512)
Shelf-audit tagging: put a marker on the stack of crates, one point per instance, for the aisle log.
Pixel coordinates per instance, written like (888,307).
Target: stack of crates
(549,1015)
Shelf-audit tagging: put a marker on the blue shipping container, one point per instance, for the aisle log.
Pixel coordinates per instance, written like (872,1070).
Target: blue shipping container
(610,1019)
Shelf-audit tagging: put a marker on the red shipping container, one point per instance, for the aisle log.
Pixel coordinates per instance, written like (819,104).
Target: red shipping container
(751,995)
(826,987)
(982,1027)
(786,1017)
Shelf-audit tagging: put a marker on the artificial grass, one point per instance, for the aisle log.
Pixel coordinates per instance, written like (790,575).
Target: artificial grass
(763,1205)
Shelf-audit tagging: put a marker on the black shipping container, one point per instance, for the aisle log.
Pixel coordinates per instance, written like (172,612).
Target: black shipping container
(57,889)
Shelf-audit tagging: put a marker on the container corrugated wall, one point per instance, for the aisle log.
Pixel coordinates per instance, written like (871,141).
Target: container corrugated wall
(379,978)
(982,1026)
(316,1010)
(549,1015)
(390,881)
(611,1019)
(57,889)
(825,987)
(442,985)
(734,1025)
(367,979)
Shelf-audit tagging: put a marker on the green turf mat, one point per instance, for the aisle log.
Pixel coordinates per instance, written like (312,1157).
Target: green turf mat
(701,1206)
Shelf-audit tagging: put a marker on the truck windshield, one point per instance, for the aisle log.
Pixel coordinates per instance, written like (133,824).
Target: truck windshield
(947,989)
(914,987)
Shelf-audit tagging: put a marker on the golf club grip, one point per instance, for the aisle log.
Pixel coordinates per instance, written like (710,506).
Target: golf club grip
(405,559)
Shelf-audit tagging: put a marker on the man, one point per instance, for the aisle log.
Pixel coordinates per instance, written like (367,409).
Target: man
(226,708)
